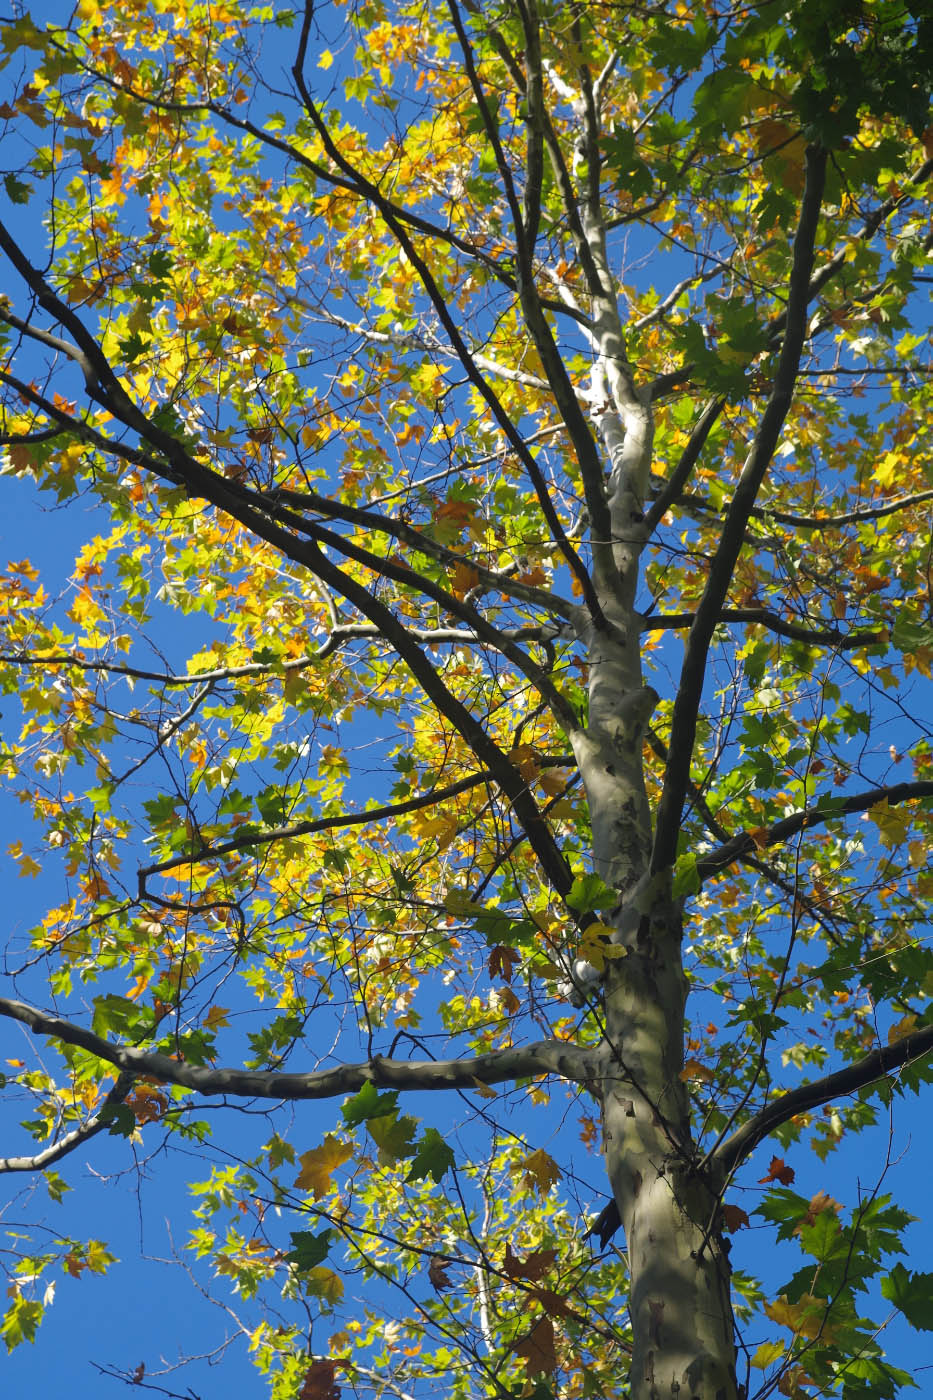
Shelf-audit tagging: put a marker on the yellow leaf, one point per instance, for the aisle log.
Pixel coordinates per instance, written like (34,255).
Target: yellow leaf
(318,1165)
(893,823)
(524,758)
(216,1017)
(694,1070)
(805,1318)
(540,1172)
(904,1027)
(484,1090)
(323,1283)
(886,471)
(767,1354)
(325,60)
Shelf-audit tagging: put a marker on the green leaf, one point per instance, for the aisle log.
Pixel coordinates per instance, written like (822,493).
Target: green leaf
(911,1294)
(686,876)
(308,1250)
(18,191)
(588,893)
(433,1157)
(368,1103)
(395,1137)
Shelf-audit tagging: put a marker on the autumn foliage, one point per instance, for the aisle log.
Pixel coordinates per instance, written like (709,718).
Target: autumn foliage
(468,664)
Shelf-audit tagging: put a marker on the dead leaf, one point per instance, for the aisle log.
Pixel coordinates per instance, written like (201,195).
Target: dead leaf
(537,1349)
(734,1217)
(437,1273)
(535,1266)
(778,1171)
(502,961)
(319,1383)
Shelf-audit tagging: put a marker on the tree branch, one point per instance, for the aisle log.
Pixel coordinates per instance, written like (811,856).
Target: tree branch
(342,819)
(878,1065)
(783,830)
(693,670)
(842,641)
(101,1120)
(497,1067)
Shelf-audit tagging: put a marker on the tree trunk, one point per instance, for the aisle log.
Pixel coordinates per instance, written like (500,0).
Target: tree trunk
(680,1291)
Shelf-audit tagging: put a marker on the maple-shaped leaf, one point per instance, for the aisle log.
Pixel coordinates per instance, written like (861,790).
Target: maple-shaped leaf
(693,1069)
(318,1165)
(734,1217)
(806,1317)
(319,1383)
(911,1294)
(537,1349)
(503,961)
(778,1171)
(433,1157)
(902,1028)
(552,1303)
(894,823)
(463,580)
(368,1103)
(532,1267)
(437,1273)
(394,1136)
(308,1250)
(524,758)
(539,1172)
(818,1204)
(323,1283)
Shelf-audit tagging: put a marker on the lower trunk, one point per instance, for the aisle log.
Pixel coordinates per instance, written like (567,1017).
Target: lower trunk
(680,1304)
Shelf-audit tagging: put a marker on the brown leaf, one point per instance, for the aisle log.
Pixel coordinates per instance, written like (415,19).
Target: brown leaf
(537,1349)
(818,1204)
(778,1171)
(734,1217)
(534,1267)
(437,1273)
(502,961)
(139,1373)
(552,1303)
(319,1383)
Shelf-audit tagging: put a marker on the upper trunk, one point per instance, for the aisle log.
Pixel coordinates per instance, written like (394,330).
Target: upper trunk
(680,1292)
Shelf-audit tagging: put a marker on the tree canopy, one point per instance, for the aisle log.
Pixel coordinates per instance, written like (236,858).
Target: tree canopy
(492,691)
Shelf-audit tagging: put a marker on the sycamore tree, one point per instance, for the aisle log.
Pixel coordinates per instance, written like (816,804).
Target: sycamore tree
(492,691)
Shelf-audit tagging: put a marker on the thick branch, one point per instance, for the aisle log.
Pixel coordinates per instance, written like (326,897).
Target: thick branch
(693,671)
(246,841)
(497,1067)
(878,1065)
(828,637)
(782,831)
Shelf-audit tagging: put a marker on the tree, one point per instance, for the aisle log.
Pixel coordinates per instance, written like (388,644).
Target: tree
(502,675)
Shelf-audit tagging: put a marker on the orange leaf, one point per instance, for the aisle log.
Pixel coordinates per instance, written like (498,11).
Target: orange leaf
(693,1069)
(734,1217)
(778,1171)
